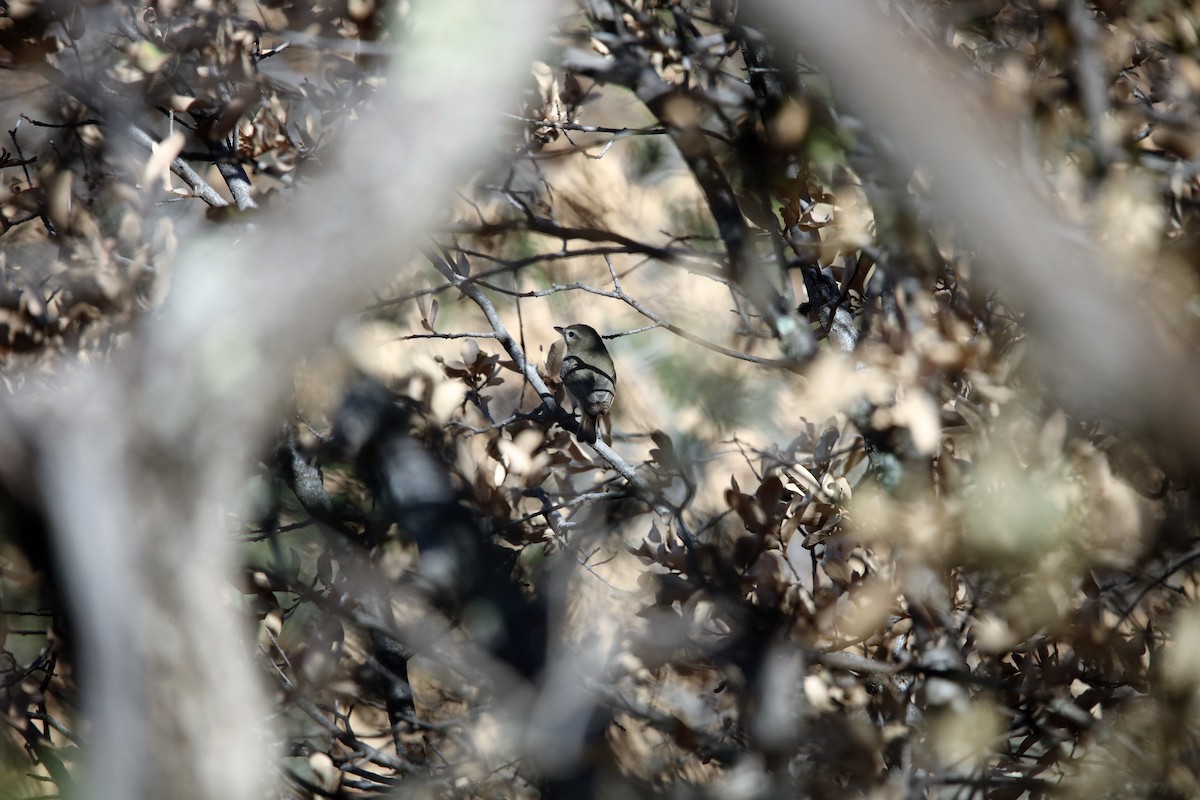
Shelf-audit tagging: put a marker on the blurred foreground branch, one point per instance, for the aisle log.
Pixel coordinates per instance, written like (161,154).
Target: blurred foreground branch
(1099,346)
(141,454)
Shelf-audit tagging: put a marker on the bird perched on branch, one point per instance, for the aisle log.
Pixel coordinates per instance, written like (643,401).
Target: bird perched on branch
(588,374)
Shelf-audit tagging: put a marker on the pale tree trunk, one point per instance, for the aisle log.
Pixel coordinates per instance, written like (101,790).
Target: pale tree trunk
(139,459)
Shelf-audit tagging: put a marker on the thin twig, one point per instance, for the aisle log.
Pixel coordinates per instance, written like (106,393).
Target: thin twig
(526,368)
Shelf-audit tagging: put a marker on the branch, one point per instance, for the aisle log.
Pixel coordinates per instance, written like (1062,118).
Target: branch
(526,367)
(659,321)
(537,225)
(152,440)
(677,110)
(235,176)
(1099,346)
(200,187)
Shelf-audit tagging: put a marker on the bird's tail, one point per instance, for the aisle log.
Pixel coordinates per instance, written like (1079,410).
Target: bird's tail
(587,428)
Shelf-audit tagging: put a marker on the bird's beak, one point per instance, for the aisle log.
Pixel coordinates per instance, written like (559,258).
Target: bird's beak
(560,330)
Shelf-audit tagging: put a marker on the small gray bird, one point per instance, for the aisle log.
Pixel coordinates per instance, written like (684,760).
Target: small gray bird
(588,374)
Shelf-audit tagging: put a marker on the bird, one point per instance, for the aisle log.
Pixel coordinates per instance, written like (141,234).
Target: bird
(588,374)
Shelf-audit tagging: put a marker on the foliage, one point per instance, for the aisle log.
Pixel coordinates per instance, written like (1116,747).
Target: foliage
(95,87)
(842,537)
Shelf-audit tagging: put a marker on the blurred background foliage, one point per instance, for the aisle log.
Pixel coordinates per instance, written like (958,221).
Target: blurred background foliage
(867,549)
